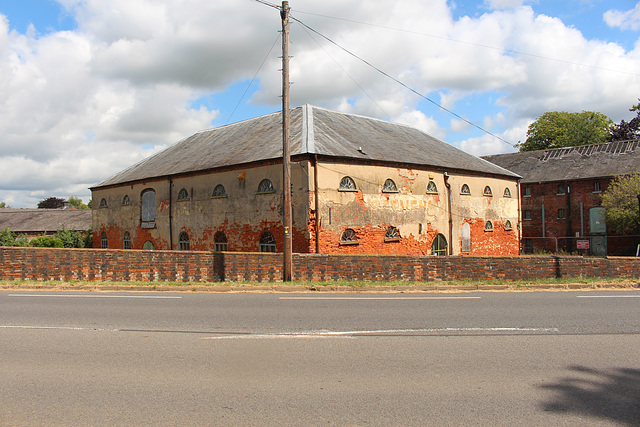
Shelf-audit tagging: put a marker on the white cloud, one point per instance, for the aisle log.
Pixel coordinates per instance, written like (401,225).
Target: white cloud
(78,106)
(625,20)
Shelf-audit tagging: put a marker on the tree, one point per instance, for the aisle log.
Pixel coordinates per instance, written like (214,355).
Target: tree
(4,205)
(51,203)
(70,238)
(626,131)
(558,129)
(76,202)
(47,242)
(7,237)
(620,201)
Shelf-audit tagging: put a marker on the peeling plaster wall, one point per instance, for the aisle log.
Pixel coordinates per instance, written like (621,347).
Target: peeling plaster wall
(243,215)
(419,216)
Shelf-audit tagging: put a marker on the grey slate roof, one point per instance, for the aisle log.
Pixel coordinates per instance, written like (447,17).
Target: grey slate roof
(44,220)
(572,163)
(313,131)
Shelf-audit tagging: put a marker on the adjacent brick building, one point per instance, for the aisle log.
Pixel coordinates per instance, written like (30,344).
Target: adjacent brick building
(561,196)
(359,185)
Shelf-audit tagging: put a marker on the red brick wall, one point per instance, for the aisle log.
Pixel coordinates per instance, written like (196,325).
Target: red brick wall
(191,266)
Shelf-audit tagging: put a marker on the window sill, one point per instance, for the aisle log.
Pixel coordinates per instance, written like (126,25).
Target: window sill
(347,190)
(150,224)
(219,197)
(351,243)
(265,192)
(391,239)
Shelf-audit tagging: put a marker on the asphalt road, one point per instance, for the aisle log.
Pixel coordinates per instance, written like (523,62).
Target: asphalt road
(485,358)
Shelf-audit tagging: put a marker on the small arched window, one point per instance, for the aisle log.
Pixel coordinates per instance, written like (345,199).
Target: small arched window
(349,237)
(392,234)
(220,242)
(104,243)
(389,186)
(103,203)
(465,189)
(148,246)
(508,226)
(507,193)
(487,191)
(183,195)
(432,188)
(266,186)
(219,191)
(439,245)
(347,184)
(126,240)
(126,201)
(488,226)
(183,241)
(267,242)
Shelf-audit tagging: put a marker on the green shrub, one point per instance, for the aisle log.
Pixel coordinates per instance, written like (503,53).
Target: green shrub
(47,242)
(70,239)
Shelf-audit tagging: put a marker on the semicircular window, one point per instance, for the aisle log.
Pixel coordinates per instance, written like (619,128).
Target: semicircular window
(487,191)
(267,242)
(508,226)
(392,234)
(183,195)
(148,246)
(126,200)
(103,203)
(507,193)
(465,189)
(488,226)
(219,191)
(349,237)
(389,186)
(347,184)
(266,186)
(432,188)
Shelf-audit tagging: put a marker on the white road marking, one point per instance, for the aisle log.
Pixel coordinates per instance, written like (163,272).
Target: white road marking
(377,298)
(353,334)
(61,328)
(93,296)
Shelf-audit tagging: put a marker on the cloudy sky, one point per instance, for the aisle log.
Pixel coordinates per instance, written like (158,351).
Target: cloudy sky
(89,87)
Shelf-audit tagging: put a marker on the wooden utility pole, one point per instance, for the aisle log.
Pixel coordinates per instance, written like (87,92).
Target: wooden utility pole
(286,155)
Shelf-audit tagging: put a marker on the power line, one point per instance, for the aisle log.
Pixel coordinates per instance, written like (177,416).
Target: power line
(510,51)
(400,82)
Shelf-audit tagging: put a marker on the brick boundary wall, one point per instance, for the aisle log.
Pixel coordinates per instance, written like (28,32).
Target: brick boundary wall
(194,266)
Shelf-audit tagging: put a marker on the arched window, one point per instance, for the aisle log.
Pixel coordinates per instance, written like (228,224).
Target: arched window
(439,245)
(148,208)
(508,226)
(392,234)
(465,189)
(347,184)
(488,226)
(148,246)
(432,188)
(389,186)
(183,241)
(126,240)
(487,191)
(104,243)
(219,191)
(349,237)
(267,242)
(103,203)
(183,195)
(126,201)
(466,237)
(507,193)
(220,242)
(265,186)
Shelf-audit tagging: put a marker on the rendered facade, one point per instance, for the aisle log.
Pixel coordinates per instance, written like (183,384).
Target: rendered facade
(359,185)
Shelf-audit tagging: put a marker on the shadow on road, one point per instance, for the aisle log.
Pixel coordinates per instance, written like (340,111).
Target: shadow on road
(606,394)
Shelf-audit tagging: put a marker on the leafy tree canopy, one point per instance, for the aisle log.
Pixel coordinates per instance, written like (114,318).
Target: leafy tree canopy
(558,129)
(47,242)
(51,203)
(620,201)
(4,205)
(626,131)
(76,202)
